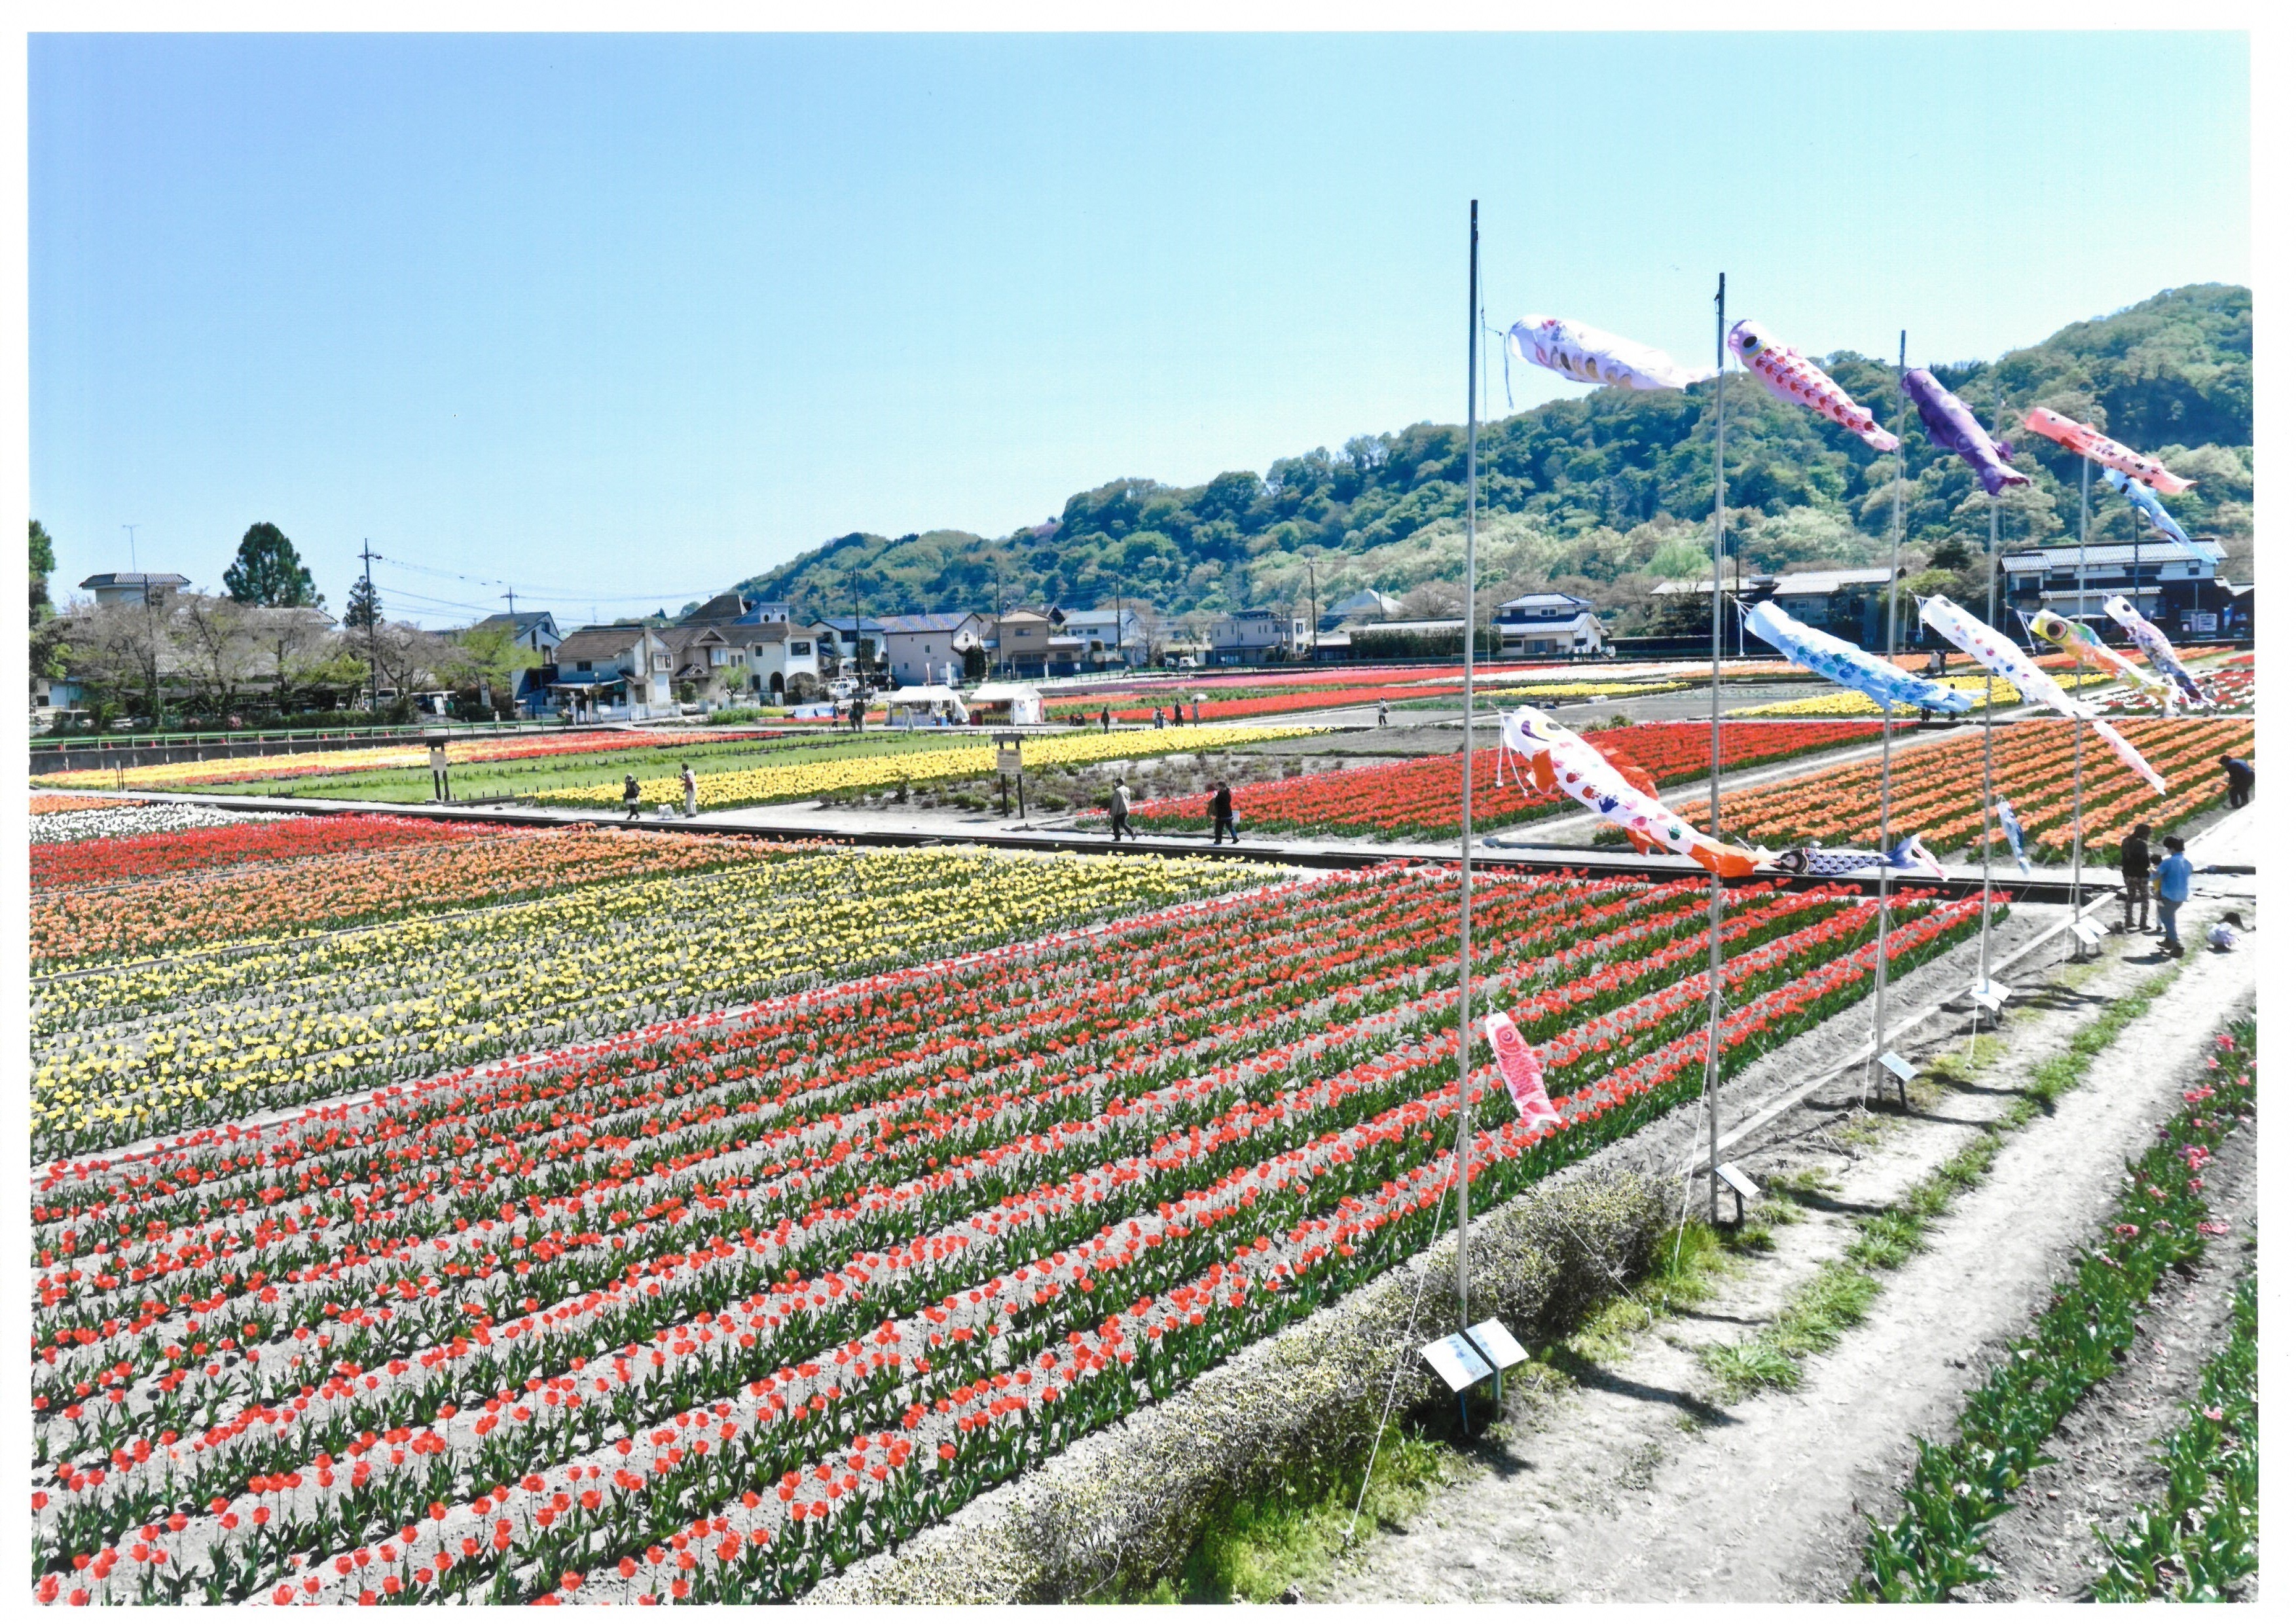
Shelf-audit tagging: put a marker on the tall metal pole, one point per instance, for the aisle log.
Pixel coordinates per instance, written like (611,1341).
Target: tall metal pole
(1714,797)
(1467,767)
(2081,613)
(1985,818)
(1889,648)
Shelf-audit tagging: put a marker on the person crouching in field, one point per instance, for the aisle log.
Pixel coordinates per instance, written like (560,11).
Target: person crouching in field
(2224,933)
(2240,779)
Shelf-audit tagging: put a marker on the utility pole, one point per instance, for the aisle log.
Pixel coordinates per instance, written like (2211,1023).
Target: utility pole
(367,556)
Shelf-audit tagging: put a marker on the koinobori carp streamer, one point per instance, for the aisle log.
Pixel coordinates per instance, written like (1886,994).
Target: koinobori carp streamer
(2088,649)
(1952,426)
(2099,447)
(1593,355)
(1791,376)
(1997,654)
(1560,759)
(2144,502)
(1849,666)
(2149,638)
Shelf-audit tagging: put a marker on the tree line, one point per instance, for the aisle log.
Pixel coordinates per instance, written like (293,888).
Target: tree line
(265,647)
(1608,493)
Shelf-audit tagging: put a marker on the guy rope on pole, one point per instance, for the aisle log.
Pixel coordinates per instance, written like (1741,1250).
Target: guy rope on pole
(1714,789)
(1889,653)
(1986,817)
(2080,614)
(1467,773)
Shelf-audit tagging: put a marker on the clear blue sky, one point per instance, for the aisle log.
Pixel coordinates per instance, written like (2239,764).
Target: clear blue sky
(620,319)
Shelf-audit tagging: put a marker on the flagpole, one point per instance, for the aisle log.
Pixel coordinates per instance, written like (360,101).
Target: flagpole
(1986,818)
(1889,648)
(1467,766)
(2080,614)
(1714,793)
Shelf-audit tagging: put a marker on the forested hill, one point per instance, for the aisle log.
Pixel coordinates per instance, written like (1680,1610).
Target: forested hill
(1606,493)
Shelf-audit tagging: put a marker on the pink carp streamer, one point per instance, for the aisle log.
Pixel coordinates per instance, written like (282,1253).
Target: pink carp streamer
(1525,1083)
(2005,659)
(1791,376)
(2085,441)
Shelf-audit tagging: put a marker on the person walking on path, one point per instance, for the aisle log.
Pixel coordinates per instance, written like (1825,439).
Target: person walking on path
(2240,778)
(1104,718)
(1224,813)
(2175,885)
(1382,713)
(1120,812)
(860,710)
(2135,879)
(692,790)
(630,795)
(1160,718)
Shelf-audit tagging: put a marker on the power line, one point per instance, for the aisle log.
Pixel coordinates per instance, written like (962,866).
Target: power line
(545,593)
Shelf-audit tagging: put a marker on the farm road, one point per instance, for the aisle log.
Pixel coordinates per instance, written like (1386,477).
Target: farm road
(1609,1495)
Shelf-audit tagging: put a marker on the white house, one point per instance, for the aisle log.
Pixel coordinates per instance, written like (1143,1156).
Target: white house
(783,660)
(615,673)
(121,587)
(1548,623)
(1106,637)
(923,649)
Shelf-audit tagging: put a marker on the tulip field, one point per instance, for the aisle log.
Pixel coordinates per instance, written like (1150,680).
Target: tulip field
(1419,799)
(509,1255)
(1936,789)
(806,780)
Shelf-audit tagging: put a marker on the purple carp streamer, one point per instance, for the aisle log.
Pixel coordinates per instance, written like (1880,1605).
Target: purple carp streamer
(1593,355)
(1791,376)
(1952,426)
(2005,659)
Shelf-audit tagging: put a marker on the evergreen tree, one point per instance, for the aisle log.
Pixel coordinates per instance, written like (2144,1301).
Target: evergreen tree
(269,572)
(363,607)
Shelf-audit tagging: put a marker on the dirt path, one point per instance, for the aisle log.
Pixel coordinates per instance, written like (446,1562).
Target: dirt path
(1634,1488)
(2103,1454)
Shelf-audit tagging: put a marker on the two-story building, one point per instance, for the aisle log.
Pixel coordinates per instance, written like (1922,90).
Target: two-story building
(2178,585)
(536,629)
(708,664)
(1254,636)
(847,643)
(784,662)
(614,673)
(122,587)
(1548,623)
(922,650)
(1020,643)
(1104,636)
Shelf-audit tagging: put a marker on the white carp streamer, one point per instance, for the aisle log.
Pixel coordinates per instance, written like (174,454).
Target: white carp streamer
(2005,659)
(1593,355)
(2149,638)
(1558,759)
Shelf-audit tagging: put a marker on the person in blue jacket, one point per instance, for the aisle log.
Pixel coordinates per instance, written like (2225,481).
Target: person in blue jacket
(2176,887)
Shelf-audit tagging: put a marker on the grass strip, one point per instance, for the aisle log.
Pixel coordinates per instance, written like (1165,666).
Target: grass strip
(1256,1546)
(2161,1220)
(1818,1315)
(2199,1537)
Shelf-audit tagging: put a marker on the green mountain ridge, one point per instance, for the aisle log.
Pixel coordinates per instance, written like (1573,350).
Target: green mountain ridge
(1606,493)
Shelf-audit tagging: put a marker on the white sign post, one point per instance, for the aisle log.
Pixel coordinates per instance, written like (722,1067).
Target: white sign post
(1456,1359)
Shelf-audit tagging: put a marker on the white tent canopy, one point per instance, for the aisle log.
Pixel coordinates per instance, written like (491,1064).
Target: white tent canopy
(933,699)
(1027,704)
